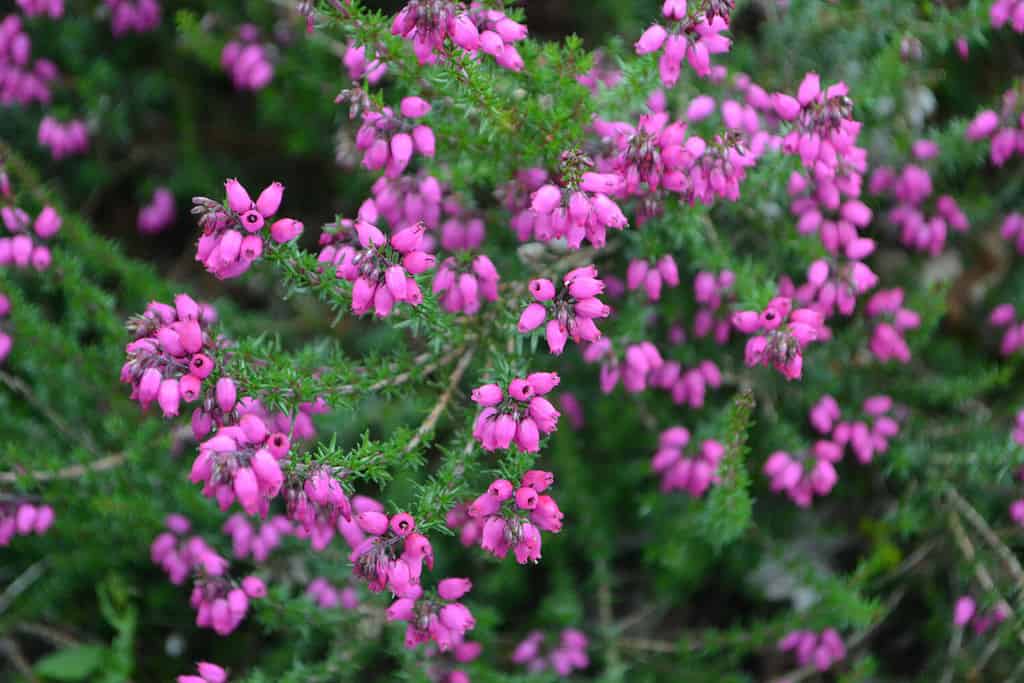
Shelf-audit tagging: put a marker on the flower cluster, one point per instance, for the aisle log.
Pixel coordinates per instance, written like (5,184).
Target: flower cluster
(785,335)
(443,620)
(1004,130)
(652,276)
(381,270)
(713,293)
(241,462)
(21,518)
(570,654)
(820,207)
(359,66)
(965,612)
(388,140)
(694,473)
(234,233)
(805,475)
(569,311)
(581,207)
(691,36)
(53,9)
(887,340)
(519,416)
(868,437)
(496,518)
(462,284)
(426,23)
(221,604)
(407,200)
(1003,11)
(63,139)
(22,80)
(6,341)
(133,16)
(22,249)
(208,673)
(247,541)
(172,355)
(327,596)
(820,650)
(158,213)
(179,556)
(1005,315)
(376,559)
(911,188)
(833,284)
(247,60)
(1012,230)
(318,504)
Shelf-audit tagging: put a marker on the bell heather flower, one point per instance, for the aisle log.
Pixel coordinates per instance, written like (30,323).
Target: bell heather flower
(887,342)
(327,596)
(377,560)
(179,557)
(691,473)
(693,37)
(171,358)
(443,620)
(1012,230)
(315,501)
(580,206)
(22,80)
(241,462)
(221,604)
(360,67)
(53,9)
(21,518)
(63,139)
(387,139)
(570,655)
(407,200)
(6,341)
(517,416)
(257,542)
(26,248)
(812,649)
(463,283)
(1004,129)
(805,475)
(714,296)
(512,518)
(133,16)
(234,233)
(426,24)
(1007,11)
(911,188)
(247,60)
(652,277)
(569,310)
(868,436)
(965,611)
(208,673)
(380,269)
(1005,315)
(158,214)
(786,333)
(517,197)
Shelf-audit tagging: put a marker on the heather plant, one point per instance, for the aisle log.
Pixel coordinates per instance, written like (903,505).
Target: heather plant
(471,340)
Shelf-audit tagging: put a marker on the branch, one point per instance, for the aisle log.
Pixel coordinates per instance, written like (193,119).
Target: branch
(69,472)
(442,402)
(975,519)
(18,386)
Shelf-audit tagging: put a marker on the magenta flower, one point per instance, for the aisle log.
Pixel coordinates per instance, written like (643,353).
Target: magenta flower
(694,473)
(234,233)
(887,340)
(158,214)
(463,285)
(208,673)
(812,649)
(133,16)
(247,60)
(785,335)
(21,518)
(519,416)
(569,311)
(426,23)
(693,38)
(63,139)
(512,518)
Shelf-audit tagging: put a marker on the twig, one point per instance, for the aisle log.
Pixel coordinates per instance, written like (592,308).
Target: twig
(47,633)
(442,402)
(10,647)
(70,472)
(955,643)
(1013,566)
(980,570)
(20,585)
(73,437)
